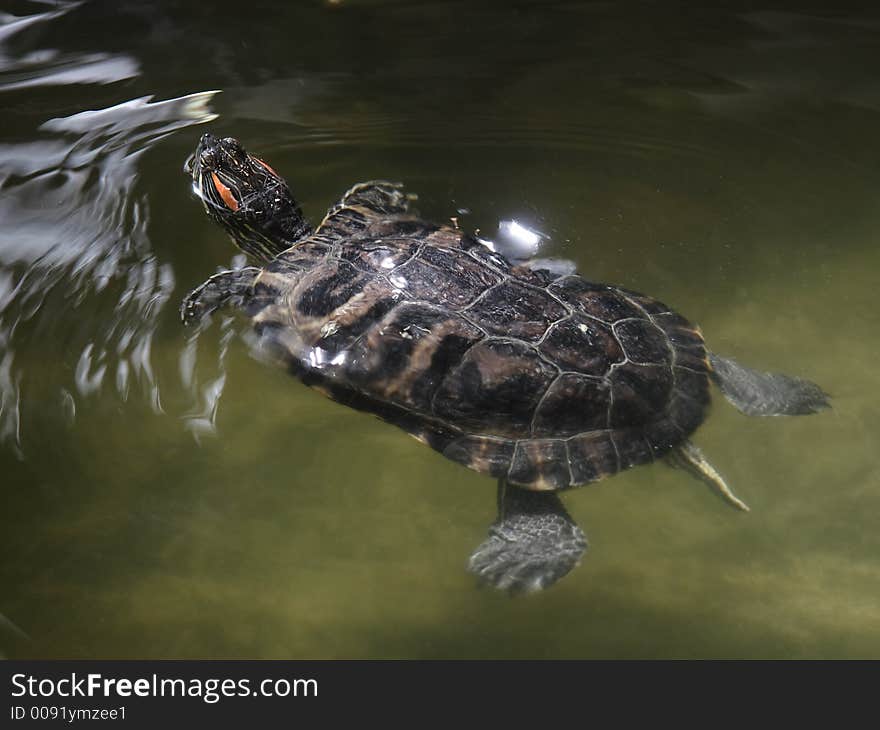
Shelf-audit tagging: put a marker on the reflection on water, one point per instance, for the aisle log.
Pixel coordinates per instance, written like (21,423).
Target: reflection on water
(75,231)
(50,66)
(79,233)
(722,161)
(202,419)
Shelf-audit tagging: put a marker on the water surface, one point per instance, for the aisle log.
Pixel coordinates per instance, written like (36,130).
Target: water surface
(169,496)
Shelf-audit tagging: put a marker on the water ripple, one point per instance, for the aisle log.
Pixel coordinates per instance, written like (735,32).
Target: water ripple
(50,67)
(77,270)
(488,131)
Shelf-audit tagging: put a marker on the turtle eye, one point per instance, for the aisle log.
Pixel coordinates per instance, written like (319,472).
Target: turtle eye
(225,193)
(207,159)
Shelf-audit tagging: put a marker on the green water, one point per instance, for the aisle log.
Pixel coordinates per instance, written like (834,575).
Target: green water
(724,161)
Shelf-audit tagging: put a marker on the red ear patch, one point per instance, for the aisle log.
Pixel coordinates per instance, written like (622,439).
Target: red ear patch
(257,159)
(225,193)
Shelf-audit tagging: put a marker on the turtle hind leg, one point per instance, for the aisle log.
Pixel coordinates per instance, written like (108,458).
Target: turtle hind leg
(766,394)
(226,289)
(531,545)
(688,457)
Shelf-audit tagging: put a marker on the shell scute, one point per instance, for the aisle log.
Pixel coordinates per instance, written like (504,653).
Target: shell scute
(573,404)
(379,255)
(649,305)
(594,300)
(641,394)
(405,356)
(643,342)
(444,276)
(304,256)
(689,399)
(633,449)
(540,464)
(513,310)
(495,389)
(592,456)
(582,344)
(327,287)
(488,455)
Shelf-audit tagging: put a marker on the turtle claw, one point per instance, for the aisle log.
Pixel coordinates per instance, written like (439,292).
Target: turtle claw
(505,563)
(226,289)
(192,310)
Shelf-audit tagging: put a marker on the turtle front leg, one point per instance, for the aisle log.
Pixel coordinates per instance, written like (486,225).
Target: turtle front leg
(532,544)
(227,289)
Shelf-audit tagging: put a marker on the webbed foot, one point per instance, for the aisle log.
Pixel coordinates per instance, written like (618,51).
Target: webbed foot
(532,544)
(228,288)
(380,196)
(766,394)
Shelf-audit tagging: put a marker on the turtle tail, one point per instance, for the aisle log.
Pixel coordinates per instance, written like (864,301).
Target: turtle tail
(766,394)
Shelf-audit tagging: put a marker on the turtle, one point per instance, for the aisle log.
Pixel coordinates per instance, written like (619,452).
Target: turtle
(522,370)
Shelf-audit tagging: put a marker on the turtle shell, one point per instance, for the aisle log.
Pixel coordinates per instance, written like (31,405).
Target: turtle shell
(548,382)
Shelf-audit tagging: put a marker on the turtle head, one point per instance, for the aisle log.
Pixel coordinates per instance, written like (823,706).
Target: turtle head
(245,196)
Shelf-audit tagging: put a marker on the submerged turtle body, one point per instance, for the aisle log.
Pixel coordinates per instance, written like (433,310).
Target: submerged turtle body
(548,381)
(518,369)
